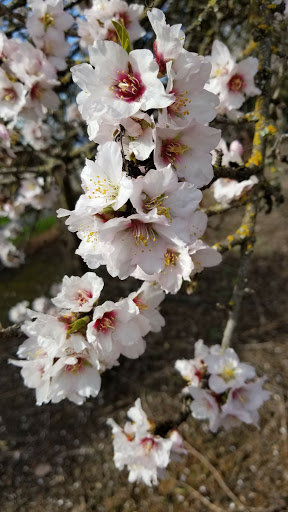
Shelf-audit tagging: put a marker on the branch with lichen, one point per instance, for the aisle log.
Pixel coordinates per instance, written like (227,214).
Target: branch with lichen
(198,22)
(245,233)
(245,236)
(217,209)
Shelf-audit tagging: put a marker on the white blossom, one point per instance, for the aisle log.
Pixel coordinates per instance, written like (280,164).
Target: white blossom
(144,454)
(79,293)
(118,85)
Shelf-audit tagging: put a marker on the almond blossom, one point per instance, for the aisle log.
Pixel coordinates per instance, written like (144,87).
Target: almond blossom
(178,268)
(46,26)
(119,84)
(202,256)
(169,39)
(244,401)
(230,80)
(18,313)
(138,240)
(160,190)
(137,138)
(188,151)
(12,97)
(117,328)
(147,299)
(225,190)
(224,390)
(193,370)
(98,23)
(104,183)
(135,446)
(67,350)
(187,76)
(44,15)
(79,293)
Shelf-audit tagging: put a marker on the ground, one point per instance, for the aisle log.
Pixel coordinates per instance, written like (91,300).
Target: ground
(59,457)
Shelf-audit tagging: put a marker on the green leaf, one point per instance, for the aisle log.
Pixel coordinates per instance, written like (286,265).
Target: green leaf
(78,324)
(123,36)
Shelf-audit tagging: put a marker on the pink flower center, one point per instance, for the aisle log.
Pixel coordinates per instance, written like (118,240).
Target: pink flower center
(128,86)
(148,443)
(171,151)
(160,59)
(171,258)
(105,323)
(236,83)
(47,20)
(142,232)
(75,368)
(9,94)
(198,374)
(140,304)
(112,36)
(179,107)
(124,19)
(156,202)
(83,296)
(36,92)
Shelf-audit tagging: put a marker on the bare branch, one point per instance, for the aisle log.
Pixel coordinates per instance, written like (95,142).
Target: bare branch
(10,14)
(13,331)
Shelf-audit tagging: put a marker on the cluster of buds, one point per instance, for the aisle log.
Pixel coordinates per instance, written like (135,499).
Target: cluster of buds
(224,390)
(67,351)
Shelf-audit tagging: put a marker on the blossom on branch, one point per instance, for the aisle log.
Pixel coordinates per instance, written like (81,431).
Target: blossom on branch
(224,390)
(145,454)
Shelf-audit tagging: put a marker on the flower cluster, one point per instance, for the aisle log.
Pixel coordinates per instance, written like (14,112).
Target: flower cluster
(145,454)
(32,193)
(21,311)
(46,26)
(66,352)
(27,80)
(98,23)
(231,81)
(28,72)
(226,190)
(137,214)
(224,390)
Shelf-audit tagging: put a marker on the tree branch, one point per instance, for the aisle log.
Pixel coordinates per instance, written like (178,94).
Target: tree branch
(13,331)
(9,13)
(245,234)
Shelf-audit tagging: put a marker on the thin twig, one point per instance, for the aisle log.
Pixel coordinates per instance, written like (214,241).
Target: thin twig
(9,13)
(217,209)
(198,495)
(218,477)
